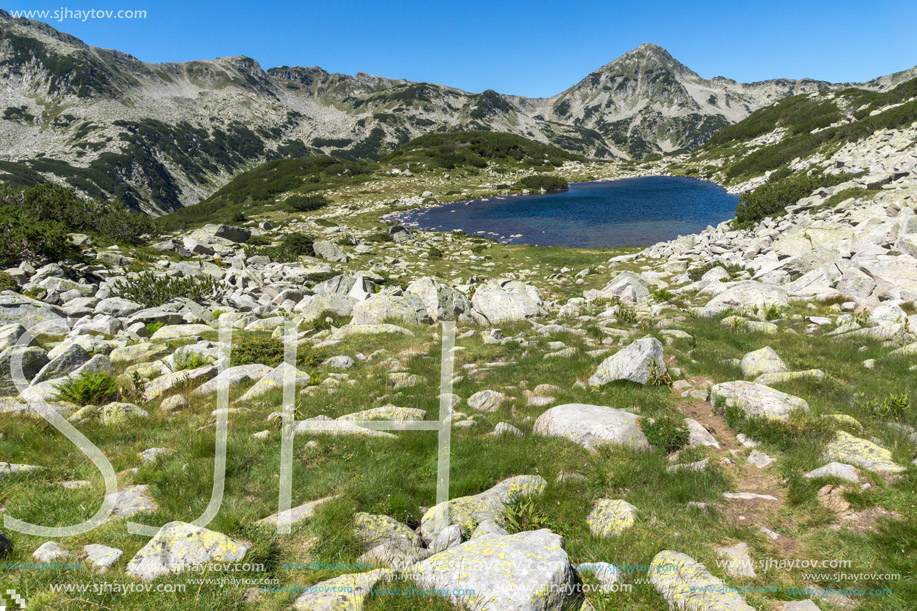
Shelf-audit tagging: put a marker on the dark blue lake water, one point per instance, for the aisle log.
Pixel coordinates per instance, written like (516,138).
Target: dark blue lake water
(628,212)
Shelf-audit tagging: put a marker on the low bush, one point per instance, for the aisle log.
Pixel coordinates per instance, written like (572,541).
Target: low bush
(521,513)
(546,182)
(293,246)
(306,203)
(8,283)
(666,433)
(270,351)
(89,388)
(153,290)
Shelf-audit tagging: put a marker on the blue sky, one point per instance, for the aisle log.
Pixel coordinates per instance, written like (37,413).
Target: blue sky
(533,48)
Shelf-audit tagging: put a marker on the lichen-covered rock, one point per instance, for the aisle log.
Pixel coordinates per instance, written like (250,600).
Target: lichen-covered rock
(607,574)
(16,308)
(110,414)
(756,400)
(49,551)
(344,593)
(687,585)
(370,530)
(746,295)
(323,425)
(846,448)
(737,561)
(12,468)
(628,287)
(131,501)
(275,380)
(592,425)
(170,332)
(138,353)
(486,400)
(352,330)
(101,556)
(760,362)
(635,363)
(496,303)
(387,412)
(232,376)
(170,381)
(179,546)
(611,517)
(441,301)
(528,571)
(769,379)
(469,511)
(297,514)
(379,309)
(63,364)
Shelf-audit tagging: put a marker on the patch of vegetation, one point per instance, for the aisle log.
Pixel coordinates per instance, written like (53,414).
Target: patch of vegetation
(89,388)
(893,407)
(8,283)
(306,203)
(773,197)
(293,246)
(543,182)
(270,351)
(845,194)
(477,149)
(522,513)
(34,222)
(193,360)
(667,433)
(153,290)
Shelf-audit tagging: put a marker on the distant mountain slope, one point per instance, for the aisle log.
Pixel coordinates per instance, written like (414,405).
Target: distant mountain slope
(162,136)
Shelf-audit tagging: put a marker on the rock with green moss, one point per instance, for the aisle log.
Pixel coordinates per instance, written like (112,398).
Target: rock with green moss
(387,412)
(852,450)
(760,362)
(528,571)
(178,546)
(344,593)
(687,585)
(110,414)
(782,377)
(470,511)
(611,517)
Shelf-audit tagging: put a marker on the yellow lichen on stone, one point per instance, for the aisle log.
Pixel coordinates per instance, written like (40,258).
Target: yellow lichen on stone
(846,448)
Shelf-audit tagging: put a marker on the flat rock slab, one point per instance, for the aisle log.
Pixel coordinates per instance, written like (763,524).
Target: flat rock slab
(344,593)
(131,501)
(179,546)
(528,571)
(835,469)
(296,514)
(592,426)
(756,400)
(687,585)
(101,556)
(864,454)
(762,361)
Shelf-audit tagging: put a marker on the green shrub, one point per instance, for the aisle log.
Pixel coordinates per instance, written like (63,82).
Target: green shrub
(8,283)
(625,315)
(893,407)
(155,289)
(697,273)
(666,433)
(23,238)
(305,203)
(293,246)
(89,388)
(192,360)
(270,351)
(521,513)
(545,182)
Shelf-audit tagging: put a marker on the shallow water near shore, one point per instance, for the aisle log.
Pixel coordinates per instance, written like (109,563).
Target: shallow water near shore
(606,214)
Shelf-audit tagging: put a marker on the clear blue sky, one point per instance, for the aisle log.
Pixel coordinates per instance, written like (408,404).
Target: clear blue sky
(533,48)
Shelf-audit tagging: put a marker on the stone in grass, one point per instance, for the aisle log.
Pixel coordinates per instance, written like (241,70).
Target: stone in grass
(611,517)
(800,605)
(346,592)
(470,511)
(864,454)
(762,361)
(131,501)
(179,546)
(49,551)
(101,556)
(592,426)
(11,468)
(296,514)
(738,562)
(6,546)
(687,585)
(387,412)
(760,459)
(528,571)
(835,469)
(756,400)
(634,363)
(504,428)
(486,400)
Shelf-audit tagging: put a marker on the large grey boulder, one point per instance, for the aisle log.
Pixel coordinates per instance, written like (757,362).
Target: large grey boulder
(344,593)
(528,571)
(441,301)
(381,308)
(225,232)
(10,334)
(314,307)
(116,306)
(31,358)
(760,362)
(63,364)
(687,585)
(627,287)
(16,308)
(330,252)
(756,400)
(746,295)
(592,426)
(178,546)
(634,363)
(233,376)
(495,303)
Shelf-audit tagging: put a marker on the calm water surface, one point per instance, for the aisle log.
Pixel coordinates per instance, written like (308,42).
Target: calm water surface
(628,212)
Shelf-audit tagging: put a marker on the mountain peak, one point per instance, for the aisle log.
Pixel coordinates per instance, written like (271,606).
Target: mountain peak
(648,56)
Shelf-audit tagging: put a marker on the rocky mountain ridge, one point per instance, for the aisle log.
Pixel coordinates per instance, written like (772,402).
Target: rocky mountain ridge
(162,136)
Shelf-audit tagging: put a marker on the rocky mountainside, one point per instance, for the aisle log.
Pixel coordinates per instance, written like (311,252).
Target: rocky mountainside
(162,136)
